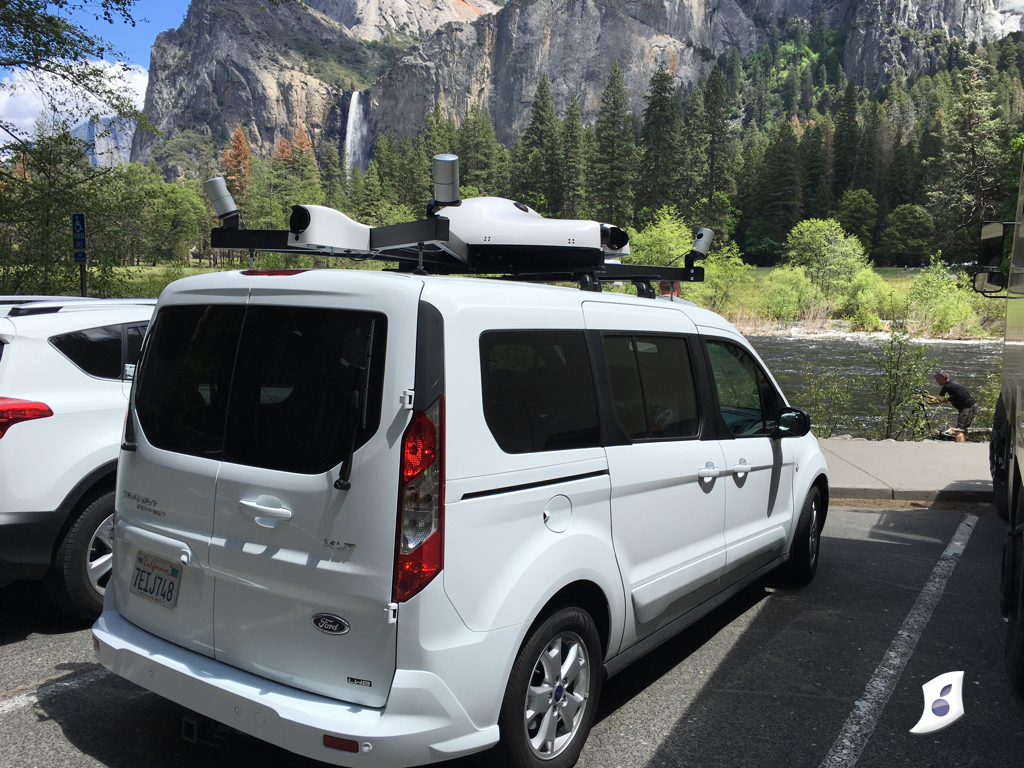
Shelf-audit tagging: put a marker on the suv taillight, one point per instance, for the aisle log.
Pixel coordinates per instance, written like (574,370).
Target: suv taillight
(420,547)
(12,411)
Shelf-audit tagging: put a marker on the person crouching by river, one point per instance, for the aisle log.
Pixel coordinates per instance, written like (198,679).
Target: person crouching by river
(956,394)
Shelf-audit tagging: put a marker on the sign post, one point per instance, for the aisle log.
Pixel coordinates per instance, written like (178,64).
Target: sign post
(78,235)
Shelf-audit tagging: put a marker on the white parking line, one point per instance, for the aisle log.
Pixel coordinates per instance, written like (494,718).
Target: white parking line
(862,721)
(29,698)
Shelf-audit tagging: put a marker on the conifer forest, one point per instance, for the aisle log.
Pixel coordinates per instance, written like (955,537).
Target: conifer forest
(790,162)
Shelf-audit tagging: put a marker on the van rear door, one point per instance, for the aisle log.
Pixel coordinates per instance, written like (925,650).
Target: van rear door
(166,485)
(304,569)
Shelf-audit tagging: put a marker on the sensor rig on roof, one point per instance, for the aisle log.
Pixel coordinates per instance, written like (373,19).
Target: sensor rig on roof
(483,235)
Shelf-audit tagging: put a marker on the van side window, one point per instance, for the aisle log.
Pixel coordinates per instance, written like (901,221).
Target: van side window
(538,390)
(746,399)
(298,387)
(652,386)
(182,390)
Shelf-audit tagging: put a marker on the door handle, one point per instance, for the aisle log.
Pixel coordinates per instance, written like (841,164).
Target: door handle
(742,468)
(708,472)
(265,515)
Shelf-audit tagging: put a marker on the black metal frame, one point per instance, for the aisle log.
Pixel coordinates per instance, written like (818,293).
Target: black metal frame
(426,247)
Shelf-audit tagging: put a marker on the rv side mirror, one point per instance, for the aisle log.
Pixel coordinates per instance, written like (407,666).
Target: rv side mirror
(793,423)
(989,282)
(990,249)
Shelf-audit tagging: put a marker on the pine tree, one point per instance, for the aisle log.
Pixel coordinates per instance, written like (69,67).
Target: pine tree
(658,177)
(235,162)
(544,136)
(866,175)
(281,183)
(478,151)
(716,124)
(307,189)
(694,173)
(574,162)
(847,141)
(781,184)
(331,179)
(613,164)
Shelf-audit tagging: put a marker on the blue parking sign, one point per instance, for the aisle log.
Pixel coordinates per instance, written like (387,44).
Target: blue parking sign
(80,257)
(78,224)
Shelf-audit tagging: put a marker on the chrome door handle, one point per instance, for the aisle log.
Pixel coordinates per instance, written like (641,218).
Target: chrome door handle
(264,514)
(742,468)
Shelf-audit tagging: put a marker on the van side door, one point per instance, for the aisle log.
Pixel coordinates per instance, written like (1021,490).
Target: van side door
(759,490)
(668,503)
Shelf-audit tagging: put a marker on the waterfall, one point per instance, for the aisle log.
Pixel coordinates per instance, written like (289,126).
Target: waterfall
(355,134)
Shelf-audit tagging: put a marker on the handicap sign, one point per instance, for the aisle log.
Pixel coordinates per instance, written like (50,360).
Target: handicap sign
(78,236)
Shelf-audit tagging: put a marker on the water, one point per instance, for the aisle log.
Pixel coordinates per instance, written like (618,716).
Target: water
(355,134)
(794,360)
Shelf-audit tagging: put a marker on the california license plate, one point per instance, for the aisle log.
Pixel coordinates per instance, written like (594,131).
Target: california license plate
(155,579)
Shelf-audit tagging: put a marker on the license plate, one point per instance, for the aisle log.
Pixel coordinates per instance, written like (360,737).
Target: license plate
(155,579)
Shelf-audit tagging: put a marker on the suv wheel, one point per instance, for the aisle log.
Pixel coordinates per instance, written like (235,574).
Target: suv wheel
(803,561)
(552,694)
(81,568)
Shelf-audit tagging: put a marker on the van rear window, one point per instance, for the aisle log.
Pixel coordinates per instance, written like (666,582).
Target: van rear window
(274,387)
(538,390)
(298,390)
(182,389)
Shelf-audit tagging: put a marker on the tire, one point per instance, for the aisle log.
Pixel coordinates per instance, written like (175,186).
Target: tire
(1013,561)
(81,568)
(557,669)
(999,455)
(803,556)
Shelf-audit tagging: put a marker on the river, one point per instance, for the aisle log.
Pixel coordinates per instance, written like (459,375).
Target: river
(794,359)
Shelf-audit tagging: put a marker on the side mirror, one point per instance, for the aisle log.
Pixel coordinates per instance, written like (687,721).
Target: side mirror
(793,423)
(989,282)
(990,249)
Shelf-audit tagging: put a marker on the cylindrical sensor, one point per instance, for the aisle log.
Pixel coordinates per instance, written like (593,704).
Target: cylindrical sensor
(221,200)
(446,179)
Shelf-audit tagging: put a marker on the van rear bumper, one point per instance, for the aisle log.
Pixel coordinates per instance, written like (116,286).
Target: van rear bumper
(421,723)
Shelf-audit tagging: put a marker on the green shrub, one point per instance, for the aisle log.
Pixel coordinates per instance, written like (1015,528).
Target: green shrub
(939,305)
(866,299)
(786,293)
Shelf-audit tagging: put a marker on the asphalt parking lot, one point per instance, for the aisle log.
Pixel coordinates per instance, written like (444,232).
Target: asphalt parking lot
(829,675)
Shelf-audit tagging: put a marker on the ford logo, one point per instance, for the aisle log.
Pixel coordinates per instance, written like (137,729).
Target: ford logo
(331,624)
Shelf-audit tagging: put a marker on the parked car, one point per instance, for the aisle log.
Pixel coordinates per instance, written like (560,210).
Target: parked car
(388,519)
(65,369)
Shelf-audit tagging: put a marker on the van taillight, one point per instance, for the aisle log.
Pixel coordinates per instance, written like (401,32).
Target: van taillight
(12,411)
(420,547)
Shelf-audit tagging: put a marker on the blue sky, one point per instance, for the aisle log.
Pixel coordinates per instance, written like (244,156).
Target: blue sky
(151,18)
(20,103)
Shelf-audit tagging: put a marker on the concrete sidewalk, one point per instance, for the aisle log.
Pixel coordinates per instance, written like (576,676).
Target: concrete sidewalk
(929,471)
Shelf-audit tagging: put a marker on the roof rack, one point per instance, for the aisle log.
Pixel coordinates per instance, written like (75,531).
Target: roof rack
(486,236)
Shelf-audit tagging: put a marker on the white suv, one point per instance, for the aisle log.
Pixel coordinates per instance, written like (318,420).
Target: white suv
(390,519)
(64,380)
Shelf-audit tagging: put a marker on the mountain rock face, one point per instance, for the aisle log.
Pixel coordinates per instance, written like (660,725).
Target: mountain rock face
(379,19)
(275,70)
(109,140)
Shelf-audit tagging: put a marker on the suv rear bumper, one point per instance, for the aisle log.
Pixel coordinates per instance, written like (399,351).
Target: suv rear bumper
(421,723)
(26,543)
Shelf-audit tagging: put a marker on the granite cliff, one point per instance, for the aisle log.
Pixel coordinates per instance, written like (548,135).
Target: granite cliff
(274,69)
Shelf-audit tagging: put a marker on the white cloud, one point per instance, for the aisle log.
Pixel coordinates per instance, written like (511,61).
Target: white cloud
(22,102)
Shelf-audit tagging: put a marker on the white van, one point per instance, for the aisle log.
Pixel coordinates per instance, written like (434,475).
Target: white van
(390,519)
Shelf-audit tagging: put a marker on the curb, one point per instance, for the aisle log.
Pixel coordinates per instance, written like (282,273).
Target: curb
(952,495)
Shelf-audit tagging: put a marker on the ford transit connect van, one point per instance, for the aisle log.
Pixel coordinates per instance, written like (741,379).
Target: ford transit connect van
(389,519)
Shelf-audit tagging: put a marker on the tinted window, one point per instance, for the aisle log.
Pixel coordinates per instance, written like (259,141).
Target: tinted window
(182,388)
(538,390)
(746,398)
(97,351)
(298,387)
(133,338)
(652,386)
